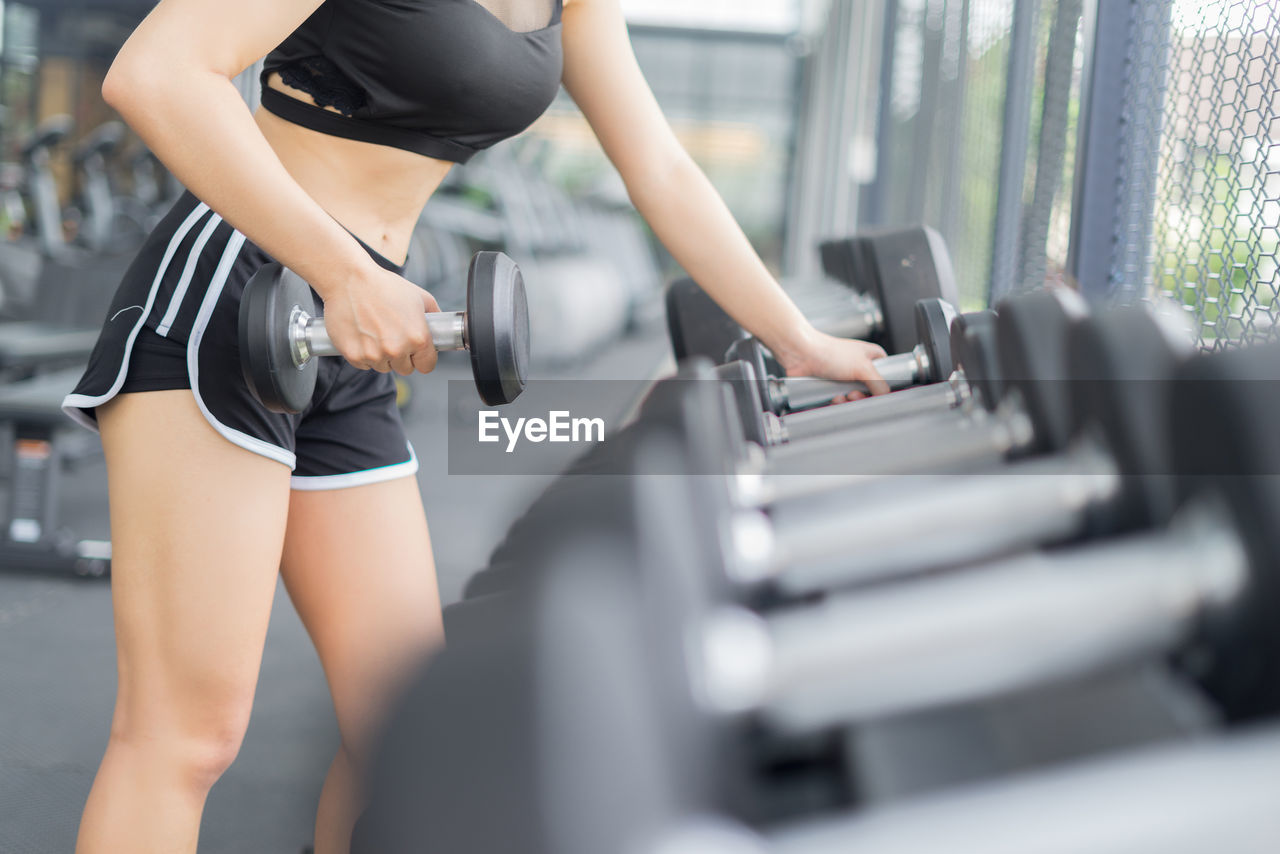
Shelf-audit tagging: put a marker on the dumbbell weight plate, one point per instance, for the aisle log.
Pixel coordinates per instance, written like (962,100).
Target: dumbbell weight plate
(1121,362)
(497,327)
(1031,336)
(973,347)
(837,263)
(741,379)
(904,265)
(697,326)
(266,306)
(933,328)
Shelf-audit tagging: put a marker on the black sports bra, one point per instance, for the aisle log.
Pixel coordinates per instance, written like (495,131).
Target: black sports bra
(443,78)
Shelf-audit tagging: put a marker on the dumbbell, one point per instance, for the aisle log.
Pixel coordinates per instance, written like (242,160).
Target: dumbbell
(1185,797)
(280,334)
(528,706)
(927,362)
(1112,478)
(974,381)
(592,705)
(969,341)
(1203,590)
(1032,416)
(898,268)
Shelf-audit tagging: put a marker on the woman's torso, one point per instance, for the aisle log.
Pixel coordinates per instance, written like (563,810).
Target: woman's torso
(378,191)
(375,191)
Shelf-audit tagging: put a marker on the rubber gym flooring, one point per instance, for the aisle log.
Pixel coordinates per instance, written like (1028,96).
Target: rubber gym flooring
(57,655)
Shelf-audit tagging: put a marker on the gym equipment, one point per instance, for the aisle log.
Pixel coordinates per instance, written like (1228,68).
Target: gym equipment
(279,334)
(972,343)
(98,227)
(32,538)
(1203,589)
(926,362)
(697,326)
(894,265)
(902,266)
(552,628)
(1175,799)
(515,736)
(693,394)
(1114,477)
(42,186)
(974,381)
(70,287)
(1032,417)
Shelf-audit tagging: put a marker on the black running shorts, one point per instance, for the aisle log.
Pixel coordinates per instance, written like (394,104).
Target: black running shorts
(174,324)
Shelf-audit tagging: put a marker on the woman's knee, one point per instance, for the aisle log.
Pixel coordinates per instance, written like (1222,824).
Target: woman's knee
(195,752)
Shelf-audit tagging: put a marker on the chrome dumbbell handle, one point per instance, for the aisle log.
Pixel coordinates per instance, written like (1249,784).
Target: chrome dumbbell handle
(899,371)
(905,404)
(863,321)
(308,336)
(1009,626)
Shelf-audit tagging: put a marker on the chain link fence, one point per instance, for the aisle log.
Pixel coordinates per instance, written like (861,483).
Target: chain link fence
(1215,218)
(1129,148)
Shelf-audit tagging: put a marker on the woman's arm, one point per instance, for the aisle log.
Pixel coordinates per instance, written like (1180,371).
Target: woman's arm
(680,204)
(172,82)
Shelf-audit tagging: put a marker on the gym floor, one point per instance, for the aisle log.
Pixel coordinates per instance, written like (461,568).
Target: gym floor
(57,654)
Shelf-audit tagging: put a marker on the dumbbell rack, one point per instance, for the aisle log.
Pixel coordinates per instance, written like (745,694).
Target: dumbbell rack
(32,539)
(907,756)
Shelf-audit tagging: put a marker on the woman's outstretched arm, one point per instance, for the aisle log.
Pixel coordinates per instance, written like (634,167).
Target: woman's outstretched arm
(681,205)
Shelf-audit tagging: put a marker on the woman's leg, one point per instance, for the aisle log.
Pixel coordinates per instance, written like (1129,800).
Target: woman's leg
(197,527)
(358,567)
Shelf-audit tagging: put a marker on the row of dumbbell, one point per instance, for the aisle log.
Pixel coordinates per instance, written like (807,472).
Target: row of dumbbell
(648,655)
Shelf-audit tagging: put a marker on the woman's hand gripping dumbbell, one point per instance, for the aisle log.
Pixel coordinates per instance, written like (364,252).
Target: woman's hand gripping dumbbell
(280,333)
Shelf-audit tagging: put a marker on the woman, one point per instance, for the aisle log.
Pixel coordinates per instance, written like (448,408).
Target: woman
(367,105)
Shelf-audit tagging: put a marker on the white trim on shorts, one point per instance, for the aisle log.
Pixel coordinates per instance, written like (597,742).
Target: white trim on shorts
(75,404)
(211,297)
(316,483)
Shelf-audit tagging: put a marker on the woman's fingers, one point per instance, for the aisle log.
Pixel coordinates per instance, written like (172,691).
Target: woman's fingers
(875,382)
(424,361)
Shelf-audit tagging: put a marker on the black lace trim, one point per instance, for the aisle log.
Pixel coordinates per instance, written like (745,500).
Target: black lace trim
(320,78)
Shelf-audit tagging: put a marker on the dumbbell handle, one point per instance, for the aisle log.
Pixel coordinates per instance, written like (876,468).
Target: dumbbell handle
(899,371)
(1009,626)
(1041,500)
(308,336)
(902,405)
(864,320)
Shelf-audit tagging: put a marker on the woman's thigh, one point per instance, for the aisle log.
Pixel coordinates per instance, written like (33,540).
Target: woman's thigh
(358,567)
(197,530)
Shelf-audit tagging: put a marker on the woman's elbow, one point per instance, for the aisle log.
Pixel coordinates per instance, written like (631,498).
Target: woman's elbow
(139,76)
(122,84)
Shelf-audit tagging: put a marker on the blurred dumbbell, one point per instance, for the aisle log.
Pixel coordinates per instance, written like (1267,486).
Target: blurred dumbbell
(1203,587)
(1032,417)
(1113,477)
(530,708)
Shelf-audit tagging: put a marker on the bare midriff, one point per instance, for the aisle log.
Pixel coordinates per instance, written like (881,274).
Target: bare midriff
(375,191)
